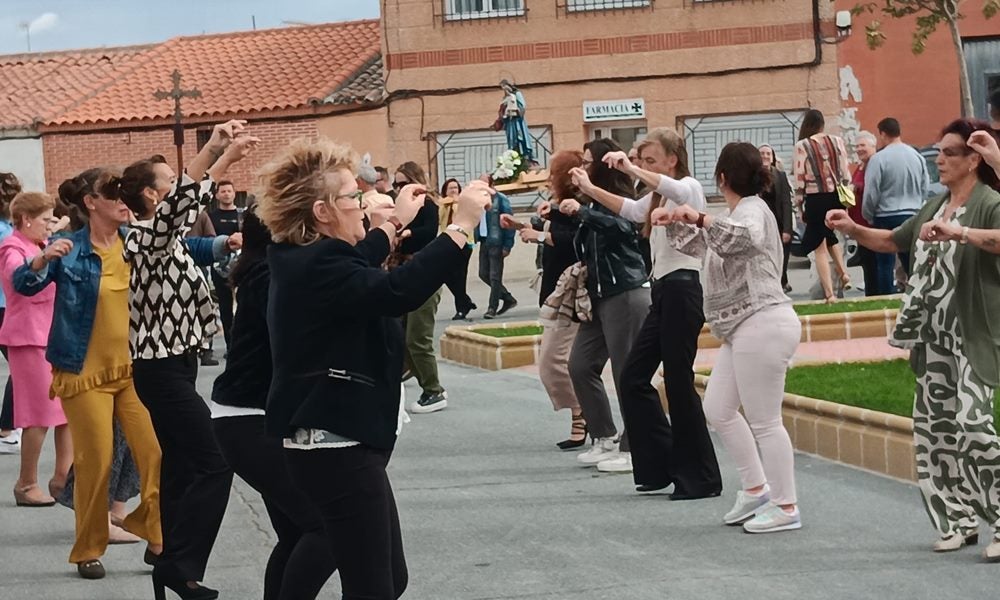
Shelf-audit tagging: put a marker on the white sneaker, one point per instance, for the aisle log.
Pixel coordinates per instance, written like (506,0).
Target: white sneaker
(603,449)
(747,506)
(12,443)
(772,519)
(620,464)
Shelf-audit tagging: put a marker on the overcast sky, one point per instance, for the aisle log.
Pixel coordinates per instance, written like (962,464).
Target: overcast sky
(66,24)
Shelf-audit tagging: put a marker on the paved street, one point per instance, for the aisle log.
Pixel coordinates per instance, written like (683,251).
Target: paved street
(491,510)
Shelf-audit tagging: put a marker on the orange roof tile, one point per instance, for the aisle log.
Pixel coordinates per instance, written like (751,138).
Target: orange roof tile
(39,86)
(250,71)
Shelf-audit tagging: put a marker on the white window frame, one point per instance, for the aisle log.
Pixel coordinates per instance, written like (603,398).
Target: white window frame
(593,5)
(452,11)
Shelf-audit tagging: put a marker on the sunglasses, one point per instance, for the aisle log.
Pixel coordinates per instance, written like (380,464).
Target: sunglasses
(398,185)
(356,195)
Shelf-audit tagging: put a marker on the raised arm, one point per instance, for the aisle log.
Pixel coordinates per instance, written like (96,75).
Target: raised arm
(739,234)
(32,276)
(986,145)
(879,240)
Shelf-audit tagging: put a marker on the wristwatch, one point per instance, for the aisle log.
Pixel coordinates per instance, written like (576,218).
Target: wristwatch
(395,222)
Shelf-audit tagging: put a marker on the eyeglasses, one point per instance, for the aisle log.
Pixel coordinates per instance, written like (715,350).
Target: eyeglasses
(356,195)
(954,151)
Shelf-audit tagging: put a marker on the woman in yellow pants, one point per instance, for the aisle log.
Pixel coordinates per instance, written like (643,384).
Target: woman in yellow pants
(92,371)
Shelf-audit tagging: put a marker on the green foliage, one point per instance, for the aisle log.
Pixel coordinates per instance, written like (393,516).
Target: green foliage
(930,14)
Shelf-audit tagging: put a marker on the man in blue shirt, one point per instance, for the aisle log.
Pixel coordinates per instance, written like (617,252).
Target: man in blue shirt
(896,184)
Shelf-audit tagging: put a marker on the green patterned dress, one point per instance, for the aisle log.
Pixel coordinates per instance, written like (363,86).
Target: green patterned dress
(958,454)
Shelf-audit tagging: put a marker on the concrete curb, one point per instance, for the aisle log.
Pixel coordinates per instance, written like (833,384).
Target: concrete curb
(463,345)
(862,438)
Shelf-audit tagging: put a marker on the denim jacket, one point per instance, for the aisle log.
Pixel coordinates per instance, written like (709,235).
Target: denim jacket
(495,235)
(78,279)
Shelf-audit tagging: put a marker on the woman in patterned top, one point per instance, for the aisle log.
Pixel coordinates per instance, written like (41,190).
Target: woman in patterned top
(820,165)
(948,320)
(747,309)
(171,314)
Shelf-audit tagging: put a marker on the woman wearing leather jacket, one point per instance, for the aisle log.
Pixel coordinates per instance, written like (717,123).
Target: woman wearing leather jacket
(618,285)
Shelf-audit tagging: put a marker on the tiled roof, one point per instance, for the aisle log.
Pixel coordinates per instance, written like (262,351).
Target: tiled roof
(367,86)
(37,87)
(251,71)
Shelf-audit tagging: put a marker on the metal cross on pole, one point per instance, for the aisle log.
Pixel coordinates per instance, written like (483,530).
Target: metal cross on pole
(177,94)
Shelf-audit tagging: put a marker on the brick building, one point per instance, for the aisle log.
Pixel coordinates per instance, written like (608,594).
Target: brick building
(39,86)
(717,71)
(283,81)
(921,91)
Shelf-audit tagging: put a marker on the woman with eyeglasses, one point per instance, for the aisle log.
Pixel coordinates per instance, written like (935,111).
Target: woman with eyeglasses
(91,365)
(301,561)
(337,346)
(25,333)
(420,358)
(948,321)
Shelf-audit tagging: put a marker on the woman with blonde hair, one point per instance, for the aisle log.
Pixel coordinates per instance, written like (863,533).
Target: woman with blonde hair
(338,345)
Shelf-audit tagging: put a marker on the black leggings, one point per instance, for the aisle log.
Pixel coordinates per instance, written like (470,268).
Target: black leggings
(352,492)
(301,561)
(814,211)
(458,282)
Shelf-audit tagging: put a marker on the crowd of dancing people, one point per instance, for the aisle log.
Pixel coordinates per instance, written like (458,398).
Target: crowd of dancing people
(337,283)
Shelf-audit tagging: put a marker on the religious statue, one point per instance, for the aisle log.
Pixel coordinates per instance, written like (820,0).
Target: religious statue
(511,120)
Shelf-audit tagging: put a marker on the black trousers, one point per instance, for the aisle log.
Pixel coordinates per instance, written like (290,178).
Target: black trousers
(350,488)
(784,264)
(194,477)
(491,273)
(7,412)
(458,284)
(224,294)
(301,561)
(869,266)
(679,451)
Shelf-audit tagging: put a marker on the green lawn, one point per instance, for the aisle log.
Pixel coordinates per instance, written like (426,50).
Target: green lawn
(841,307)
(510,331)
(883,386)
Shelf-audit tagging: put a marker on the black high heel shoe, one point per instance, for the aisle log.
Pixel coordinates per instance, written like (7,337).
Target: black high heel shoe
(579,427)
(182,589)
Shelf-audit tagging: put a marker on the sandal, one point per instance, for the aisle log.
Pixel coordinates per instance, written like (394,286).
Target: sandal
(577,435)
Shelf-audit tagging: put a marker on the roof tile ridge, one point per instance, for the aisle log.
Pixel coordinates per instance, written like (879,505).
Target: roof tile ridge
(363,64)
(252,32)
(42,56)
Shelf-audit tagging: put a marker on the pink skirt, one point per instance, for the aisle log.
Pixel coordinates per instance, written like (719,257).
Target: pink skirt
(32,378)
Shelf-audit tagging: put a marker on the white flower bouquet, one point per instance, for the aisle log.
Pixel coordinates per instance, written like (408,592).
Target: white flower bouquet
(509,167)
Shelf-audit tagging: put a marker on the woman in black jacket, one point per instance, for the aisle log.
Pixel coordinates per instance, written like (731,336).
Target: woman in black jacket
(618,284)
(300,562)
(337,346)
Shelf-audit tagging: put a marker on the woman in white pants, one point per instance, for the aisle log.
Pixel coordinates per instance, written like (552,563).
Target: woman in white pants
(747,309)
